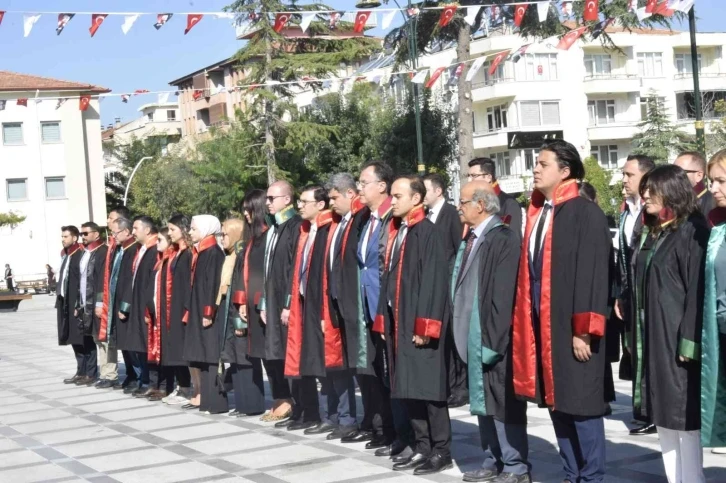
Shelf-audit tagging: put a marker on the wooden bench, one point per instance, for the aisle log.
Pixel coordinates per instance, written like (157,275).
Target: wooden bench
(9,301)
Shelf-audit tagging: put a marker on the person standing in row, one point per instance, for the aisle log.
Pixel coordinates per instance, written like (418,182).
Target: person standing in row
(412,318)
(694,164)
(280,245)
(163,385)
(249,390)
(69,330)
(669,290)
(482,288)
(558,345)
(484,169)
(202,338)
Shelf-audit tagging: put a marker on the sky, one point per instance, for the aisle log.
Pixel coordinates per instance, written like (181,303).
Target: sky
(146,58)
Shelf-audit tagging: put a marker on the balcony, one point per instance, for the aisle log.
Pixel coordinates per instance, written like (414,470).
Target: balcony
(614,130)
(708,81)
(611,83)
(491,139)
(491,89)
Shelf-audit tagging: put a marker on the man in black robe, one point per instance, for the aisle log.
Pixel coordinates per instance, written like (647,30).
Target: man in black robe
(133,337)
(69,329)
(482,287)
(412,320)
(694,164)
(275,304)
(446,219)
(558,348)
(484,169)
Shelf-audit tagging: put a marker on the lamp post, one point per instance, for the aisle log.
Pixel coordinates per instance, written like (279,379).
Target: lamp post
(128,183)
(700,132)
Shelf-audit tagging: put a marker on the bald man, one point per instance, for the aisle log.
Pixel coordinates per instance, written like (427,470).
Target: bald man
(483,285)
(694,164)
(275,305)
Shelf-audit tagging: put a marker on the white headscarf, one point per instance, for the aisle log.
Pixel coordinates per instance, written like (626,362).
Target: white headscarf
(207,225)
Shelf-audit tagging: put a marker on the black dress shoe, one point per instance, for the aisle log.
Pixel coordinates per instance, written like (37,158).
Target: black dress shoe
(285,423)
(416,460)
(105,384)
(129,381)
(140,391)
(512,478)
(357,437)
(393,450)
(342,432)
(434,464)
(85,381)
(404,455)
(647,429)
(321,428)
(131,387)
(379,441)
(457,402)
(233,414)
(480,475)
(298,425)
(190,406)
(71,380)
(117,385)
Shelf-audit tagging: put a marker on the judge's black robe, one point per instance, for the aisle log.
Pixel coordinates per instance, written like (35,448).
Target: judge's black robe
(95,271)
(203,344)
(704,199)
(419,305)
(248,291)
(69,333)
(123,292)
(574,296)
(278,284)
(670,293)
(450,229)
(310,351)
(509,210)
(172,330)
(133,331)
(236,348)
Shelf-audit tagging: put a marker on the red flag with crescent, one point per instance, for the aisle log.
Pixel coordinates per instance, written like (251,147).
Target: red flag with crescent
(592,11)
(192,20)
(84,102)
(434,77)
(447,14)
(662,9)
(650,6)
(519,11)
(360,21)
(22,102)
(2,14)
(96,21)
(570,38)
(281,20)
(498,60)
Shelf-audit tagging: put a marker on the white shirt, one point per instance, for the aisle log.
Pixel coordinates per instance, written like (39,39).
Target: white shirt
(478,231)
(142,251)
(435,210)
(84,275)
(533,236)
(373,221)
(338,233)
(62,281)
(631,216)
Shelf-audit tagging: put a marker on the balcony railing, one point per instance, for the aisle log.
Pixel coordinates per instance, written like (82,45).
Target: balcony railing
(595,77)
(701,75)
(491,82)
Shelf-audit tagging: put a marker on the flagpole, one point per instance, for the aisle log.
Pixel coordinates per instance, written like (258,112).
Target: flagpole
(413,54)
(700,135)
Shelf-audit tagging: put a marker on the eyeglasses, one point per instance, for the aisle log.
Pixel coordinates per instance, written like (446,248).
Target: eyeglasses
(475,175)
(273,198)
(304,202)
(692,171)
(463,202)
(363,184)
(86,233)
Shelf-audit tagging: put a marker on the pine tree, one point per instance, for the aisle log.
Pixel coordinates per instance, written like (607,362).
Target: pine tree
(658,137)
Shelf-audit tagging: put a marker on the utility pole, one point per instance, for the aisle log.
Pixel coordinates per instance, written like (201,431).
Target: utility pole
(413,54)
(700,132)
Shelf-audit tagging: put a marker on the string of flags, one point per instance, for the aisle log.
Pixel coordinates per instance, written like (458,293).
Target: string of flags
(362,18)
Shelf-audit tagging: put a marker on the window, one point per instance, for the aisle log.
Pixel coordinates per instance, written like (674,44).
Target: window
(684,64)
(539,113)
(537,67)
(50,132)
(598,65)
(498,74)
(606,155)
(17,189)
(55,188)
(530,157)
(12,133)
(650,64)
(171,115)
(497,117)
(503,165)
(644,106)
(150,117)
(601,112)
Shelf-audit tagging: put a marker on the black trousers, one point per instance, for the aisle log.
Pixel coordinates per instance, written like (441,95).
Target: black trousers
(249,389)
(180,374)
(86,358)
(162,377)
(305,397)
(376,397)
(213,396)
(279,386)
(431,426)
(458,383)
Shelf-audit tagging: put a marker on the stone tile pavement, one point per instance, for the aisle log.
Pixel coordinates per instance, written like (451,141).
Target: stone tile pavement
(53,432)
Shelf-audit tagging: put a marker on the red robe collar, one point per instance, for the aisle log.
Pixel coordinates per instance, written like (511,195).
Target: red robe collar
(93,246)
(128,243)
(666,217)
(207,242)
(355,206)
(384,208)
(565,191)
(416,215)
(71,249)
(700,189)
(152,241)
(495,187)
(717,216)
(162,257)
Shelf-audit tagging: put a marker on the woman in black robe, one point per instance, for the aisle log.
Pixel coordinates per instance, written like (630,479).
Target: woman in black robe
(669,290)
(249,390)
(202,339)
(179,271)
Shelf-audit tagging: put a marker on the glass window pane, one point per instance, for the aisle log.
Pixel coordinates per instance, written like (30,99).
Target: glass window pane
(55,188)
(50,132)
(13,133)
(17,189)
(504,118)
(530,113)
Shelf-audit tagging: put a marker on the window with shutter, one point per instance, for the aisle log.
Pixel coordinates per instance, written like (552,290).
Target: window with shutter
(50,132)
(550,113)
(55,188)
(12,133)
(529,113)
(17,189)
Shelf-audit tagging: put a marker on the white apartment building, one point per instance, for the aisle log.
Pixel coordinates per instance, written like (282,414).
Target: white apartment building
(52,167)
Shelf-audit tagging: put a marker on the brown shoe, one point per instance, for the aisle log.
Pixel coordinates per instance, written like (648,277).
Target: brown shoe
(157,395)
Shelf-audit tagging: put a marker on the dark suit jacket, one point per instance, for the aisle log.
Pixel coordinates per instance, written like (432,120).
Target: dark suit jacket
(449,227)
(510,212)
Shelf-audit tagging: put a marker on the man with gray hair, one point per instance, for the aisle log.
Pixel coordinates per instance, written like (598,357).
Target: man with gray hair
(482,288)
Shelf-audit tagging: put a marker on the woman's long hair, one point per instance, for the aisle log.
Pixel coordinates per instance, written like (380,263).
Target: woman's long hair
(254,205)
(669,183)
(184,224)
(165,233)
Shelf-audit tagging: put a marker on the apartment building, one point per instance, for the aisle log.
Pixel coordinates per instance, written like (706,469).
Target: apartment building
(52,166)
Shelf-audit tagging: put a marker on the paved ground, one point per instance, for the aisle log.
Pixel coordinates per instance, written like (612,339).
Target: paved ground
(53,432)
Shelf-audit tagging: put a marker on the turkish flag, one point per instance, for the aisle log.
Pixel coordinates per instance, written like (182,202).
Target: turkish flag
(2,14)
(570,38)
(498,60)
(23,102)
(447,14)
(96,21)
(434,77)
(192,20)
(360,21)
(650,5)
(84,103)
(592,11)
(197,94)
(281,20)
(662,9)
(519,11)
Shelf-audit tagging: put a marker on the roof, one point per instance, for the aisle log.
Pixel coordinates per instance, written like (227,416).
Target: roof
(217,65)
(161,105)
(12,81)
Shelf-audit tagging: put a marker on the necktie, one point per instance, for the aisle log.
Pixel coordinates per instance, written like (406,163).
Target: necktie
(430,215)
(538,235)
(304,266)
(399,241)
(339,238)
(467,251)
(335,257)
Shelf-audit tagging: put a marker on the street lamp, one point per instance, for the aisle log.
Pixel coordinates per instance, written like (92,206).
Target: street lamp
(128,183)
(700,133)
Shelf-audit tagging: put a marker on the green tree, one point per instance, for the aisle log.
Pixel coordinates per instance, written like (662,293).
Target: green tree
(608,195)
(658,137)
(126,157)
(11,219)
(716,138)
